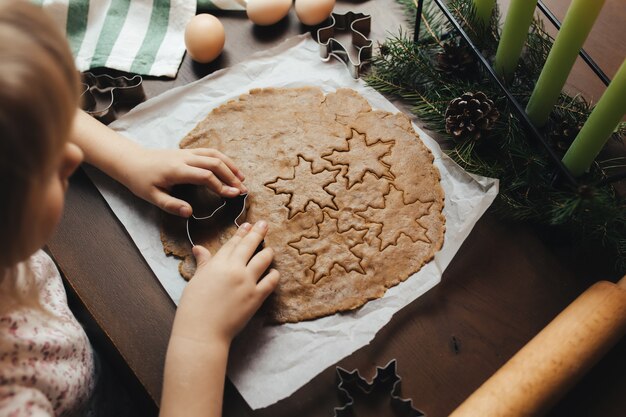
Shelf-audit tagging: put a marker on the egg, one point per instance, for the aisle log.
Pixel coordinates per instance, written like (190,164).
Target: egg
(204,38)
(267,12)
(313,12)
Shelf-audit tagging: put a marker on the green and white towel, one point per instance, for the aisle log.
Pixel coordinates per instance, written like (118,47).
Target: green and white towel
(138,36)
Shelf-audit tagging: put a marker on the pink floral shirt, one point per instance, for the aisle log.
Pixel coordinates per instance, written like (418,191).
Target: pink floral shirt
(46,361)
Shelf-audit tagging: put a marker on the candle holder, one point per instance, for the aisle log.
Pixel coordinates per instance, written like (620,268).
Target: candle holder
(446,79)
(561,170)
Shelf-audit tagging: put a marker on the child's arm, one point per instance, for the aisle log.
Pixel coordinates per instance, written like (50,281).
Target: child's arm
(150,173)
(216,304)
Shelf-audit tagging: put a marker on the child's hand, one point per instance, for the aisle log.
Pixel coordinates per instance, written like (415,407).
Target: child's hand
(216,304)
(152,172)
(226,290)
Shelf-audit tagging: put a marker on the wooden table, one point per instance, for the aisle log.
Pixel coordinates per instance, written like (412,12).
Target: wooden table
(505,284)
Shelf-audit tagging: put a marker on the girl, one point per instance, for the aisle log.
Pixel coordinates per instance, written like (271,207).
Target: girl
(46,362)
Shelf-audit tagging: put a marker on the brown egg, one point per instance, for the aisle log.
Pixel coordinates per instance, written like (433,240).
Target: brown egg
(267,12)
(204,38)
(313,12)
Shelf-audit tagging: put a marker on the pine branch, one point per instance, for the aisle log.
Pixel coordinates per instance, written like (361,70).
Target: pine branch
(593,211)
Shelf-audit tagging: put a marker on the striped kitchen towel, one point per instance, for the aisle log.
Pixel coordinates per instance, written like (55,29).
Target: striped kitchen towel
(138,36)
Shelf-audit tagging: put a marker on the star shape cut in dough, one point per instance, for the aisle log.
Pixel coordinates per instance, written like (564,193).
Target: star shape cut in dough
(369,192)
(305,186)
(361,157)
(330,248)
(398,218)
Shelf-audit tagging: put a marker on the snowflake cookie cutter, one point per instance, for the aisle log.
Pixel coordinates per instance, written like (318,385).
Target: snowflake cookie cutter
(359,25)
(115,91)
(237,203)
(352,386)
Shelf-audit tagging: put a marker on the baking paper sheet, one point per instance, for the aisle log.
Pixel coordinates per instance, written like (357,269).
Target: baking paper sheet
(269,363)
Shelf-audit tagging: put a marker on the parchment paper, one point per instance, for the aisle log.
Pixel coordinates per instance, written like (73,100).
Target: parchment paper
(269,363)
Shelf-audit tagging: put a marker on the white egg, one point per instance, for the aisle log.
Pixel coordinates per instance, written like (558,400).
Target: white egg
(267,12)
(313,12)
(204,38)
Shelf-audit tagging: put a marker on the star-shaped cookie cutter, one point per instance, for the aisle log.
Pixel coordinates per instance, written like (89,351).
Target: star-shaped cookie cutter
(359,25)
(387,380)
(114,91)
(236,202)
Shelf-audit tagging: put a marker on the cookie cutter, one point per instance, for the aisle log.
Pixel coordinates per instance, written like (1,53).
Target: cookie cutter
(116,91)
(240,200)
(359,25)
(352,386)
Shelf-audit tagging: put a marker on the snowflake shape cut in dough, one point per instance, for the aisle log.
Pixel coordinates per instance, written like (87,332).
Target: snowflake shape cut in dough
(330,248)
(361,157)
(398,218)
(305,186)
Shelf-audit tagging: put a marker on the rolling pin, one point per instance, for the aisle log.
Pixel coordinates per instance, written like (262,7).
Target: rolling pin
(537,376)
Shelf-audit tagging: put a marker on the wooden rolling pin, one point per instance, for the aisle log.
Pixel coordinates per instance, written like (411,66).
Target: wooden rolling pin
(537,376)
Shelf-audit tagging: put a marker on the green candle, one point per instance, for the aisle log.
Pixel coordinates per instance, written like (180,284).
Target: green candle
(483,8)
(603,120)
(576,26)
(514,35)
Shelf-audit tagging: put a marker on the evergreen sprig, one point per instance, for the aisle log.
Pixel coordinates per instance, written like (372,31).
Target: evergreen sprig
(592,212)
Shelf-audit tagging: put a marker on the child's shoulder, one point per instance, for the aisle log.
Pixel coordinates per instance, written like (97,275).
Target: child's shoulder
(48,278)
(43,348)
(36,278)
(42,266)
(33,291)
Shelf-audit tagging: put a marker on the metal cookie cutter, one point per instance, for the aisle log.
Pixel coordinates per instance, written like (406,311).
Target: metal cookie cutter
(238,203)
(114,91)
(355,389)
(357,23)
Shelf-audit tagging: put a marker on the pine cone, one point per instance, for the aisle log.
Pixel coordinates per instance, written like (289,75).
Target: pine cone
(456,59)
(564,134)
(471,115)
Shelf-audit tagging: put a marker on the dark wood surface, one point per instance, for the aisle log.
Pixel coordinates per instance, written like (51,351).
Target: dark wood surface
(505,284)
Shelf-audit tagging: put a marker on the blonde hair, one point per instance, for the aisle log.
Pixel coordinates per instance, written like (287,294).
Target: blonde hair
(39,93)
